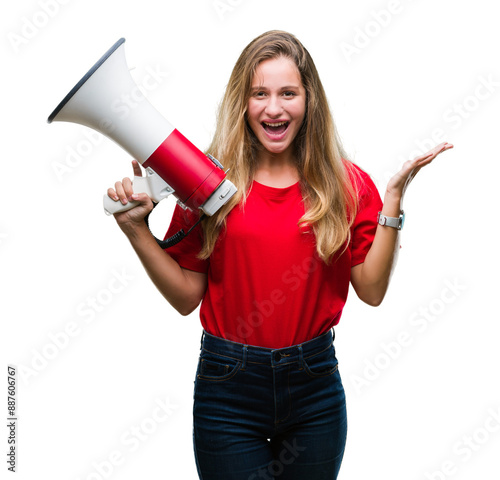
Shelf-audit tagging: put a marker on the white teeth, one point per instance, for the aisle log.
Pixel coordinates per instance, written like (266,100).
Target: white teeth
(275,124)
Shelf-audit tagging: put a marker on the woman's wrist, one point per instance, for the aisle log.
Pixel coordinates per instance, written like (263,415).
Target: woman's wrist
(134,230)
(393,204)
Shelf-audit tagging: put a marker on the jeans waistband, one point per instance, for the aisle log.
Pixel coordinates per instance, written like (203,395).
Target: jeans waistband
(267,356)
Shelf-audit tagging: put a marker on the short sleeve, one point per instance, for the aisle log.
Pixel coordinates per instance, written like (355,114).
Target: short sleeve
(185,252)
(365,223)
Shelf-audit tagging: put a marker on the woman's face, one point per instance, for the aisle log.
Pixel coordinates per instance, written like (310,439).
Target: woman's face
(277,104)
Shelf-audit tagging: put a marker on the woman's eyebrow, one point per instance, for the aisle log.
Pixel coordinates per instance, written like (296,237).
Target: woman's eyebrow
(287,87)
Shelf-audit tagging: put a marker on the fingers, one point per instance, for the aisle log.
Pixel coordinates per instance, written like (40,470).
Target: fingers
(122,192)
(433,153)
(112,194)
(400,181)
(446,145)
(439,149)
(141,197)
(127,187)
(137,168)
(414,166)
(138,212)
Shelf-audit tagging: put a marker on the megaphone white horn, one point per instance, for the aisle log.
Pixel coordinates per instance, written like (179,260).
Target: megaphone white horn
(107,100)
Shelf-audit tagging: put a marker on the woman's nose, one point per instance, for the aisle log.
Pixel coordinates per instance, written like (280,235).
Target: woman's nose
(274,106)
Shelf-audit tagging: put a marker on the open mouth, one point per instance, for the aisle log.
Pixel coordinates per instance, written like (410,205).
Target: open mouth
(277,128)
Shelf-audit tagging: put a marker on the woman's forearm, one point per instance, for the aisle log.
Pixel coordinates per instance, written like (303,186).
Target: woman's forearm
(371,278)
(182,290)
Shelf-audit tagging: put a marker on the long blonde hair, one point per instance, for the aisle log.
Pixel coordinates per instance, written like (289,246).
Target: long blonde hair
(326,176)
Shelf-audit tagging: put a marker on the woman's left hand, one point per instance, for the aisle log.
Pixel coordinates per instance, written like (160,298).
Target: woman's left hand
(399,183)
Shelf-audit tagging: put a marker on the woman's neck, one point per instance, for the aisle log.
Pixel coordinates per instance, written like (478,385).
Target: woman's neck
(276,171)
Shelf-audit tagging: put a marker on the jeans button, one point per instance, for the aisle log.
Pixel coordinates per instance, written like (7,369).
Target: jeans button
(277,356)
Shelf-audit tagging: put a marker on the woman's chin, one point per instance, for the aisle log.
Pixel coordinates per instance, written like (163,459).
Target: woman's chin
(275,149)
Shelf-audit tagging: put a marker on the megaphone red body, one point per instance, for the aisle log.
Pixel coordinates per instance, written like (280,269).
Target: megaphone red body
(107,100)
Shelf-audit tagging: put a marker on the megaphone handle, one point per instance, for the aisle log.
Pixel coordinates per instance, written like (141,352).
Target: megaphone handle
(141,185)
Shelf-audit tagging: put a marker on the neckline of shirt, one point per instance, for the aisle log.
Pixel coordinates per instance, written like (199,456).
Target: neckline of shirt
(276,191)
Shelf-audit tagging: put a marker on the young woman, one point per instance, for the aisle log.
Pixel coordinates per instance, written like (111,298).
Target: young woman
(272,270)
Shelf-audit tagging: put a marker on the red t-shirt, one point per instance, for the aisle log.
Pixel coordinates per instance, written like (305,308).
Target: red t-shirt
(266,284)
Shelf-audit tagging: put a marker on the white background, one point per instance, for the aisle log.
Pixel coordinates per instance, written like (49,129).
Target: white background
(394,80)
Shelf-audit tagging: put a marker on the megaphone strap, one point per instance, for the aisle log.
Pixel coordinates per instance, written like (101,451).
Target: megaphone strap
(174,239)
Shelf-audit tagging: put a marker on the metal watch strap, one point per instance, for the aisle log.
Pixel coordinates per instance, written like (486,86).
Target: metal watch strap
(394,222)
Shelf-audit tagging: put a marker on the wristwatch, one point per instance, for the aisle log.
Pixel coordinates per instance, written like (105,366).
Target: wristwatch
(394,222)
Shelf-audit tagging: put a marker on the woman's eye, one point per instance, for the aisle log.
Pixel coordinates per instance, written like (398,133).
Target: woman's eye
(289,94)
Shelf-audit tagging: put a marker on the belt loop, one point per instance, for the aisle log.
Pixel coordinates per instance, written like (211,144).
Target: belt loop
(201,340)
(301,357)
(245,348)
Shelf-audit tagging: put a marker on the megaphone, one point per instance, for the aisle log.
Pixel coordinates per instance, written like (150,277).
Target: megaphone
(107,100)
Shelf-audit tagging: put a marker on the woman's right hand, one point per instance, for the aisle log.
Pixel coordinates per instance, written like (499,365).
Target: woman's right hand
(124,193)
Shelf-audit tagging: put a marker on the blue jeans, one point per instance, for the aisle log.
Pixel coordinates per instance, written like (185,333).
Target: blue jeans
(262,413)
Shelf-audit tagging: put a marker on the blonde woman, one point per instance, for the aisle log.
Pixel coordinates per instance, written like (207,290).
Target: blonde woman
(272,270)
